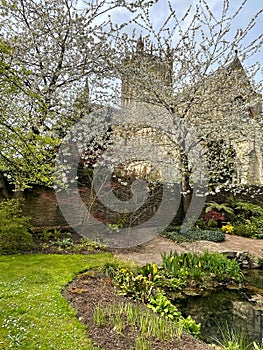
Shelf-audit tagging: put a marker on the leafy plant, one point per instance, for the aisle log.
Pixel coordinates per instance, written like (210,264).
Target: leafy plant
(64,242)
(133,285)
(99,316)
(142,344)
(196,234)
(46,235)
(119,315)
(150,271)
(256,346)
(210,263)
(176,272)
(161,305)
(249,209)
(86,244)
(51,236)
(110,268)
(14,228)
(190,326)
(224,207)
(57,234)
(231,339)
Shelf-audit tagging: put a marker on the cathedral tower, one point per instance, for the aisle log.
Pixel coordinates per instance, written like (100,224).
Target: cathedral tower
(144,73)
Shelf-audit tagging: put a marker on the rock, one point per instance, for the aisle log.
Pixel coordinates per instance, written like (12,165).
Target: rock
(244,259)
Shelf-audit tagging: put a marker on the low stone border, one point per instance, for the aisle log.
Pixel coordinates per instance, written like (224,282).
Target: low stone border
(245,259)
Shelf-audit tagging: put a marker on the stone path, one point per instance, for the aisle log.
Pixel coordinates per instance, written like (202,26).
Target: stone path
(150,251)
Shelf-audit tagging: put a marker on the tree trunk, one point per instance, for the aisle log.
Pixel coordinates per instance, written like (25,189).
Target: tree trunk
(186,188)
(3,187)
(19,194)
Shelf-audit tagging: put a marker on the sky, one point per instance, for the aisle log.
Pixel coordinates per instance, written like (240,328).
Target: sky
(159,12)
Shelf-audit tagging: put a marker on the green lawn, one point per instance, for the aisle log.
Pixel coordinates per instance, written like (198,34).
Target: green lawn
(33,313)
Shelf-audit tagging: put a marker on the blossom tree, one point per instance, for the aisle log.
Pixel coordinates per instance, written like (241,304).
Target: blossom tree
(54,65)
(183,85)
(25,155)
(191,66)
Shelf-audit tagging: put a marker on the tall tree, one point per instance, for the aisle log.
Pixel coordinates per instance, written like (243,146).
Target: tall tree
(191,66)
(25,155)
(57,49)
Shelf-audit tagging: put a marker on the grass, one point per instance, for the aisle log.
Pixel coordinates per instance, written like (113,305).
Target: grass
(234,339)
(145,324)
(33,313)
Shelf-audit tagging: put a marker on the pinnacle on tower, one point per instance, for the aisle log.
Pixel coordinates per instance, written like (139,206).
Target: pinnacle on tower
(140,45)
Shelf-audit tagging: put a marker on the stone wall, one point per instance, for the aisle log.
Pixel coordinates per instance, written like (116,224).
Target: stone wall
(42,206)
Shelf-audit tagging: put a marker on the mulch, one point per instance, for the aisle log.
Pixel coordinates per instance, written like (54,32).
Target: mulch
(93,288)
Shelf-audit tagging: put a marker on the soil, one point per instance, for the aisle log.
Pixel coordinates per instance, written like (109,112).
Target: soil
(89,290)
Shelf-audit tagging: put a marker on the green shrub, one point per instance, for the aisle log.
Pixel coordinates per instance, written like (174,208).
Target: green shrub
(110,268)
(199,266)
(245,230)
(178,271)
(246,209)
(196,234)
(245,217)
(133,285)
(249,220)
(64,243)
(14,228)
(221,208)
(252,228)
(161,305)
(232,339)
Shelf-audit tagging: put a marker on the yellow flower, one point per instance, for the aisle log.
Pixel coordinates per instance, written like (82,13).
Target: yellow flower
(228,228)
(155,269)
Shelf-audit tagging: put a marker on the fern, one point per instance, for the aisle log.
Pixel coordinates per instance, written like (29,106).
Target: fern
(256,210)
(220,207)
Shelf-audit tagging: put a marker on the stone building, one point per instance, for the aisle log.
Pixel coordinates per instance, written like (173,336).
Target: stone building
(151,68)
(147,69)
